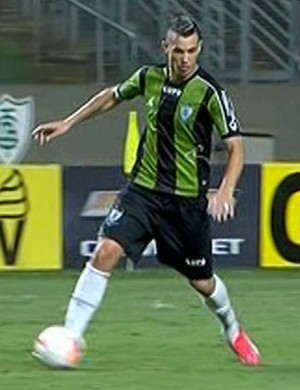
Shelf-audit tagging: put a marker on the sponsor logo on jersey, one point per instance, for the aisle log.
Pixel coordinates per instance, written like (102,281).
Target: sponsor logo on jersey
(172,91)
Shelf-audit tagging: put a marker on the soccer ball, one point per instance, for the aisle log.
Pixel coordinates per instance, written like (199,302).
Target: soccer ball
(58,347)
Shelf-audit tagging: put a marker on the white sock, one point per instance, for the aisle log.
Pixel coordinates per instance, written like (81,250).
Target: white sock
(219,304)
(86,298)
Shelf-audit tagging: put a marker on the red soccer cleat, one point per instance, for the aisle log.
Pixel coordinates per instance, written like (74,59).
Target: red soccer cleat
(245,349)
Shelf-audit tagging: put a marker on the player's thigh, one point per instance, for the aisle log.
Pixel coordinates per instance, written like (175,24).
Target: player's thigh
(128,223)
(197,228)
(197,237)
(183,240)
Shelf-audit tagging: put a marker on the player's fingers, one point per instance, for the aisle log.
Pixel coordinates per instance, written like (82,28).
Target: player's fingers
(45,128)
(216,213)
(220,211)
(209,206)
(231,211)
(212,205)
(36,131)
(225,211)
(42,139)
(41,129)
(37,137)
(219,216)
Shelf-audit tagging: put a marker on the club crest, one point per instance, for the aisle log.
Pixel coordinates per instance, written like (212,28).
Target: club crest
(16,121)
(186,112)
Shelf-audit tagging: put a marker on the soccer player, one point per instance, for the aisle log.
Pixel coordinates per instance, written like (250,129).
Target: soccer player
(166,197)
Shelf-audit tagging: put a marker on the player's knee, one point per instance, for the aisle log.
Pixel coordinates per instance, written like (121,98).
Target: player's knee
(106,255)
(204,286)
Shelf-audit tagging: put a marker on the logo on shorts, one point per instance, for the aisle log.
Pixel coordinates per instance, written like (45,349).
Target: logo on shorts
(196,262)
(114,216)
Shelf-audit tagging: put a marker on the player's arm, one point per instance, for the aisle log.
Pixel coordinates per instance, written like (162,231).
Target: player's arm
(234,167)
(101,102)
(105,100)
(221,205)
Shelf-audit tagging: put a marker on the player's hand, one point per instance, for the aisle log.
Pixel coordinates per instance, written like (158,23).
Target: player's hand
(44,133)
(221,206)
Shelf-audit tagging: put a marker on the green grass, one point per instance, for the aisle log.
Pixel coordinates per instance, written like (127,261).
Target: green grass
(152,333)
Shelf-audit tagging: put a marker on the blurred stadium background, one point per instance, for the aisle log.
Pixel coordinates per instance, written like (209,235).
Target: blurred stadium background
(62,51)
(80,41)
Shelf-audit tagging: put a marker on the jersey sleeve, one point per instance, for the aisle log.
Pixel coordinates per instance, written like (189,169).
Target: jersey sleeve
(222,113)
(132,87)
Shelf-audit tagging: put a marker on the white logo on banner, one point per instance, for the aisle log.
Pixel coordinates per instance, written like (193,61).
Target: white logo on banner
(16,121)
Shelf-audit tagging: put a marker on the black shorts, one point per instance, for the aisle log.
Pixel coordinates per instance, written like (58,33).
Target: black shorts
(180,226)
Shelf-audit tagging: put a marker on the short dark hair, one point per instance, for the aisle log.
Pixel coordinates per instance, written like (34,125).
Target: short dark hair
(185,26)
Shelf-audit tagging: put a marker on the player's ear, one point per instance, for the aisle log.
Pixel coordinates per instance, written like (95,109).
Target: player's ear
(200,47)
(165,45)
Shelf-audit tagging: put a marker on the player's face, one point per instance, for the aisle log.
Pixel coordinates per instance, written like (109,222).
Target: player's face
(182,54)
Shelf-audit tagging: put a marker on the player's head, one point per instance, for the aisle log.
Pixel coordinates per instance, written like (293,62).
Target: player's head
(182,46)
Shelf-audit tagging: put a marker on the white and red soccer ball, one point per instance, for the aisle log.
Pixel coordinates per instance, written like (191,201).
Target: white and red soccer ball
(58,347)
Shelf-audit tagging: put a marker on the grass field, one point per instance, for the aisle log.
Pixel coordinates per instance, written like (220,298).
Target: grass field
(153,334)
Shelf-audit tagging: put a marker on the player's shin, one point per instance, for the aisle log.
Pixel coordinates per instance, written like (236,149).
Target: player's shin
(219,304)
(86,298)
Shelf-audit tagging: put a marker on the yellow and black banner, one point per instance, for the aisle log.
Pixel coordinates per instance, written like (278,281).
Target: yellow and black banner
(280,216)
(30,217)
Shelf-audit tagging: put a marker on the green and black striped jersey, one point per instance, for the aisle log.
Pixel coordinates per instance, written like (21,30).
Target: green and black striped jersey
(174,150)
